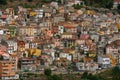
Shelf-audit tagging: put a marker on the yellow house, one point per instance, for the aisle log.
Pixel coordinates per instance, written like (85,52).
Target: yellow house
(92,55)
(71,51)
(35,52)
(32,13)
(118,26)
(90,12)
(101,32)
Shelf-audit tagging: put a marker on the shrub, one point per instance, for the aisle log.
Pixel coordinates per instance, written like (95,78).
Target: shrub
(54,77)
(47,72)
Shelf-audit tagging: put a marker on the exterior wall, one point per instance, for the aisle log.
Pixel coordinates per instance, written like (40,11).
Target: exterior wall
(12,46)
(27,31)
(7,70)
(104,62)
(28,64)
(60,29)
(87,66)
(65,55)
(111,50)
(115,5)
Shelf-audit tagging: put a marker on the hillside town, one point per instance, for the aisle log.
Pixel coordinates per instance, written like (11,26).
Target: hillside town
(56,36)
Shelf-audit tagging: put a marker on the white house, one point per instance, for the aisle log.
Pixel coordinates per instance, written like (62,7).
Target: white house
(81,2)
(39,13)
(87,66)
(60,29)
(12,46)
(104,61)
(66,55)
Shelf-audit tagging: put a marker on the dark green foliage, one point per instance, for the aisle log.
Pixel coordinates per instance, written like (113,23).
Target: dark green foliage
(59,1)
(118,7)
(84,75)
(107,3)
(28,5)
(101,3)
(77,6)
(92,77)
(29,0)
(46,1)
(47,72)
(54,77)
(3,2)
(116,73)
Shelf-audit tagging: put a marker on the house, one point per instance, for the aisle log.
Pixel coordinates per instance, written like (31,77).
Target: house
(12,46)
(31,44)
(68,40)
(66,55)
(14,57)
(27,64)
(73,16)
(115,4)
(104,61)
(21,46)
(2,31)
(71,2)
(81,2)
(28,31)
(81,66)
(60,29)
(10,11)
(54,4)
(8,70)
(112,50)
(94,37)
(70,27)
(58,18)
(39,13)
(48,11)
(46,60)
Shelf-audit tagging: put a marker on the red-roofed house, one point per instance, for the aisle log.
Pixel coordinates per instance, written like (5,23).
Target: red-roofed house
(84,36)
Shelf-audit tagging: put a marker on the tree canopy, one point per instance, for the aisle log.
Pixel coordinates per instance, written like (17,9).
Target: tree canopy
(118,7)
(47,72)
(116,73)
(3,2)
(100,3)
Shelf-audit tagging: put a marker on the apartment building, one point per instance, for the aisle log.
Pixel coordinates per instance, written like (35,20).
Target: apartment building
(8,70)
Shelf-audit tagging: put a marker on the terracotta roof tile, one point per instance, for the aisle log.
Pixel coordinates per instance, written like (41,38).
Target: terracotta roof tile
(116,0)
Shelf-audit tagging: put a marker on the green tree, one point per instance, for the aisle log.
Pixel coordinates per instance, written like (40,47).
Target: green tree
(46,1)
(118,7)
(77,6)
(84,75)
(55,77)
(101,3)
(107,3)
(86,2)
(116,73)
(92,77)
(47,72)
(3,2)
